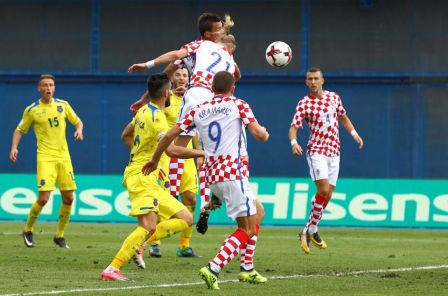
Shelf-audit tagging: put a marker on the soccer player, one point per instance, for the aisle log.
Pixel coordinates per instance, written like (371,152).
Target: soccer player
(148,199)
(322,110)
(48,116)
(220,123)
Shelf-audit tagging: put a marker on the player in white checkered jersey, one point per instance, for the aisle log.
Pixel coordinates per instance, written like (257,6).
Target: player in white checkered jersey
(220,122)
(321,110)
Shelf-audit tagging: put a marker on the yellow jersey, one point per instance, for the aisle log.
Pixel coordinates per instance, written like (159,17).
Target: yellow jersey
(150,124)
(49,122)
(173,110)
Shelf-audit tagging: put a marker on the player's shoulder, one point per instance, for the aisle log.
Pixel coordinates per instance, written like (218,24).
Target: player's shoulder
(60,101)
(32,106)
(330,94)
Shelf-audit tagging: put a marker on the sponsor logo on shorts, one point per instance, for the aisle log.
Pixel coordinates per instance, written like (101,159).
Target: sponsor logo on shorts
(317,172)
(167,184)
(42,183)
(156,202)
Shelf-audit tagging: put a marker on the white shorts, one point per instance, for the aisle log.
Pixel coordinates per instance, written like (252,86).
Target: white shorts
(324,167)
(193,97)
(239,199)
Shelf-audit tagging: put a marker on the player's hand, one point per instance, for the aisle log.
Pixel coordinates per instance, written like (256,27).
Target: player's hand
(200,162)
(149,167)
(358,140)
(139,68)
(78,135)
(137,105)
(297,150)
(13,155)
(179,91)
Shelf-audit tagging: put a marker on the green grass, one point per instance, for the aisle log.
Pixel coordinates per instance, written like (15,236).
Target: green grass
(45,267)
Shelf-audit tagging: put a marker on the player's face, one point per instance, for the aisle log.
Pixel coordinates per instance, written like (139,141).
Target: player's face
(215,33)
(314,81)
(46,88)
(180,78)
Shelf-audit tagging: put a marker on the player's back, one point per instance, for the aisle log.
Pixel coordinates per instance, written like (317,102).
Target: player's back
(210,58)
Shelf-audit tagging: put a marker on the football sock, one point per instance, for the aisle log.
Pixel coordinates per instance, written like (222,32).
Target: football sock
(229,249)
(168,228)
(64,217)
(247,253)
(35,211)
(317,208)
(130,245)
(175,172)
(203,187)
(185,236)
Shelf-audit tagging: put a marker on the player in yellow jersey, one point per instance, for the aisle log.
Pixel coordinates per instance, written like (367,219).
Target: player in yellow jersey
(148,199)
(48,116)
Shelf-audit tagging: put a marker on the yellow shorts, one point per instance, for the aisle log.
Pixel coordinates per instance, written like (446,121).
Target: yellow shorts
(148,196)
(58,172)
(189,181)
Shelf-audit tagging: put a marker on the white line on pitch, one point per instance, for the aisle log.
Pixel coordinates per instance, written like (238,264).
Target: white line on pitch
(280,277)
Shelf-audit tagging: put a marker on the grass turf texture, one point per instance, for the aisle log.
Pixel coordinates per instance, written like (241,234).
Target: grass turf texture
(46,268)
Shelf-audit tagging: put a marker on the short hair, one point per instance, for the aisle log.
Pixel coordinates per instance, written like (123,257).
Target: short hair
(223,82)
(157,83)
(205,22)
(46,76)
(314,70)
(229,41)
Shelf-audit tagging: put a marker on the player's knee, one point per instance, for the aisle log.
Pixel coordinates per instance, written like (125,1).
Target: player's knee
(42,202)
(325,192)
(186,216)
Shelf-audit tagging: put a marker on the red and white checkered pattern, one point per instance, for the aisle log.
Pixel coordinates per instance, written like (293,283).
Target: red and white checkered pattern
(317,209)
(193,46)
(175,175)
(222,157)
(229,249)
(247,253)
(321,114)
(203,187)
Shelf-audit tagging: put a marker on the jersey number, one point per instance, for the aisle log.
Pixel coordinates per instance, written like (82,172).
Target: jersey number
(215,138)
(216,62)
(53,122)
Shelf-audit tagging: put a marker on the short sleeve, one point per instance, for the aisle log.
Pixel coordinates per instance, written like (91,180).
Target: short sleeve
(246,114)
(340,108)
(187,123)
(71,115)
(25,123)
(299,115)
(193,46)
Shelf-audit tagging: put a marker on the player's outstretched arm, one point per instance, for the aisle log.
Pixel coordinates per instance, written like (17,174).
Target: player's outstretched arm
(16,137)
(140,102)
(78,131)
(165,58)
(347,124)
(292,135)
(259,132)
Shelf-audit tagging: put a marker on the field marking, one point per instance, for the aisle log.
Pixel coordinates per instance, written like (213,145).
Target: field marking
(280,277)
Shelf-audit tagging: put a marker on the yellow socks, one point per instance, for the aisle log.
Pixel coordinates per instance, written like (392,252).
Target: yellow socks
(32,216)
(64,217)
(185,236)
(130,245)
(168,228)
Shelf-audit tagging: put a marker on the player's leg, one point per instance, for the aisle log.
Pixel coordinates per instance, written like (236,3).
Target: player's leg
(176,171)
(143,206)
(188,189)
(46,178)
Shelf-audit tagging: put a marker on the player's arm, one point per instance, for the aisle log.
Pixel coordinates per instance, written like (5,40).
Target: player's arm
(165,58)
(166,145)
(170,69)
(79,126)
(16,137)
(144,99)
(237,73)
(292,135)
(347,124)
(128,134)
(259,132)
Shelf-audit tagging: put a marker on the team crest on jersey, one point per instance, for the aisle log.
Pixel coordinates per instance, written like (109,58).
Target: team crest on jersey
(60,109)
(156,202)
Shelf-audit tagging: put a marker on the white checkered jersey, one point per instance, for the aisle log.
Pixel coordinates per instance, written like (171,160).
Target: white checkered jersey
(220,123)
(186,63)
(321,114)
(208,59)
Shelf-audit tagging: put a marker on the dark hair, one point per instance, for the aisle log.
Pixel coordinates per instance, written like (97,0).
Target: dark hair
(157,83)
(315,69)
(223,82)
(46,76)
(205,22)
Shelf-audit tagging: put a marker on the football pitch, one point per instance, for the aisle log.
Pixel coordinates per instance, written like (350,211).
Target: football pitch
(357,262)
